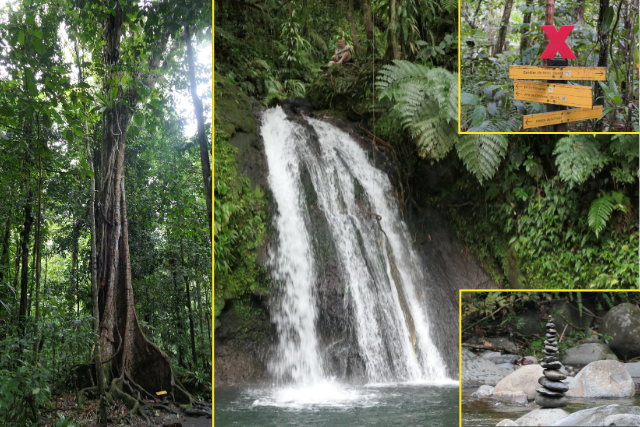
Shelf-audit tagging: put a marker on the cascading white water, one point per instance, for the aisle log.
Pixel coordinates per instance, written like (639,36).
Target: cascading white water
(382,273)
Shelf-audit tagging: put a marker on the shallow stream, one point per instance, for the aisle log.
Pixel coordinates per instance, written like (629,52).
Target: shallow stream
(492,416)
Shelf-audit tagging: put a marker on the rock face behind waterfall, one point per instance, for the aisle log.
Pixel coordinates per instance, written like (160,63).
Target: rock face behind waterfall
(241,358)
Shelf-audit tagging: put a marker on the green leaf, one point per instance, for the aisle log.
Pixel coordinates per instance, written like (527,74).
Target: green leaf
(38,46)
(576,158)
(21,37)
(479,115)
(113,93)
(607,19)
(31,86)
(468,99)
(137,119)
(482,154)
(37,33)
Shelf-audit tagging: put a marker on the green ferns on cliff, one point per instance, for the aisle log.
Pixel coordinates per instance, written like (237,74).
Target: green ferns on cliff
(426,103)
(239,228)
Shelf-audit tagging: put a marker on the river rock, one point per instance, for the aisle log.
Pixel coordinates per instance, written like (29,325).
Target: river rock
(634,371)
(541,417)
(622,420)
(549,393)
(483,391)
(622,323)
(602,379)
(554,375)
(502,343)
(492,356)
(550,402)
(507,366)
(479,371)
(509,358)
(510,397)
(587,353)
(532,359)
(507,422)
(595,416)
(552,365)
(524,379)
(553,385)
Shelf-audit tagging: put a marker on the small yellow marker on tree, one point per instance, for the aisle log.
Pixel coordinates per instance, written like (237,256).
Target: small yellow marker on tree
(160,393)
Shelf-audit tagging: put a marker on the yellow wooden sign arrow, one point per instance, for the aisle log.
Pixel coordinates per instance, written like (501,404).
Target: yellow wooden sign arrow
(557,73)
(553,93)
(563,116)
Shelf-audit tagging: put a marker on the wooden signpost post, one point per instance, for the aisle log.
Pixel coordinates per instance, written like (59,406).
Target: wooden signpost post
(554,91)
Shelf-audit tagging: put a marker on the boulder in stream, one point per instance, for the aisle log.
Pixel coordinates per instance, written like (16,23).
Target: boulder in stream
(507,422)
(622,420)
(479,371)
(622,324)
(595,416)
(524,379)
(602,379)
(541,417)
(587,353)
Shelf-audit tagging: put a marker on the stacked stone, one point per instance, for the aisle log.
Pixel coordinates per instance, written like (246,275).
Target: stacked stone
(552,393)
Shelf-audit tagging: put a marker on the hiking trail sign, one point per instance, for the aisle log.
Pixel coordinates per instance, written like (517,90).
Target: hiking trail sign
(554,92)
(525,72)
(562,116)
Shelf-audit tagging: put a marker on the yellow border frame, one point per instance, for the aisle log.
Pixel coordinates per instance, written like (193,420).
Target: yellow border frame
(506,133)
(461,291)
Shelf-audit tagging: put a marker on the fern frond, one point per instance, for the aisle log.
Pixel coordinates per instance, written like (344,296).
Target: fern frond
(482,154)
(601,209)
(576,158)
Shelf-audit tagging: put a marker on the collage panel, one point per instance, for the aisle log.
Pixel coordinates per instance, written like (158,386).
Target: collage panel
(549,66)
(105,213)
(552,358)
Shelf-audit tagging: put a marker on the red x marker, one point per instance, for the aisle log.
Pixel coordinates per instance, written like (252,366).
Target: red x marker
(557,42)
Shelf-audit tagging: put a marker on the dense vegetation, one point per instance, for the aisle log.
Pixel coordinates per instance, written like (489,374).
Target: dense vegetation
(495,35)
(67,69)
(542,212)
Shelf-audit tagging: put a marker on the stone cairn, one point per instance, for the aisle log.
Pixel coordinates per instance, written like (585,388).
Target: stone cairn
(551,395)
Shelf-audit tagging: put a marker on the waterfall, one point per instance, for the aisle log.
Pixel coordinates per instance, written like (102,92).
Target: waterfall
(322,169)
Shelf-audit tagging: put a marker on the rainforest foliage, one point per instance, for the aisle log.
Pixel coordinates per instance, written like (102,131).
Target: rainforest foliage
(58,89)
(495,35)
(508,314)
(546,212)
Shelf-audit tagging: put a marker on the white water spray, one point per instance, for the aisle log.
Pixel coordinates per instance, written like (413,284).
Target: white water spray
(381,271)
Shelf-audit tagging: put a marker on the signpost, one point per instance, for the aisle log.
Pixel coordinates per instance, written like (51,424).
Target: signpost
(553,93)
(559,117)
(525,72)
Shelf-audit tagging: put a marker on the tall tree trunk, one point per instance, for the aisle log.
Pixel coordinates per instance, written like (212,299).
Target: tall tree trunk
(191,331)
(129,353)
(4,259)
(603,38)
(579,12)
(39,250)
(368,26)
(202,137)
(549,13)
(28,221)
(504,25)
(97,359)
(178,306)
(393,28)
(17,267)
(526,28)
(353,28)
(200,320)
